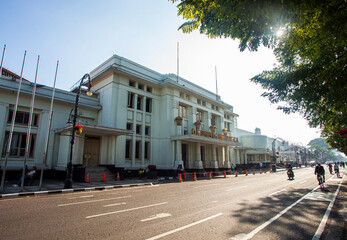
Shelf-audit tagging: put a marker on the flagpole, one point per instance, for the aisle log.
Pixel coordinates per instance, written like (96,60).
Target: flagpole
(48,128)
(9,140)
(29,124)
(178,60)
(2,59)
(216,83)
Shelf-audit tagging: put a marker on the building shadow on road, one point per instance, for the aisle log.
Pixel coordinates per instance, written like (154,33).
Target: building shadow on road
(299,222)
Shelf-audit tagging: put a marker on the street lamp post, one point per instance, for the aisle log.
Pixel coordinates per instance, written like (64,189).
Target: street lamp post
(68,181)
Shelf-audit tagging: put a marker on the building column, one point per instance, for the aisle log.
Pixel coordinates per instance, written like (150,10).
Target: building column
(214,163)
(143,128)
(232,156)
(227,160)
(178,160)
(133,149)
(246,157)
(198,163)
(173,151)
(238,157)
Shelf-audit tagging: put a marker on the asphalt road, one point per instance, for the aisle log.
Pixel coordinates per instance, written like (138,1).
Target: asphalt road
(266,206)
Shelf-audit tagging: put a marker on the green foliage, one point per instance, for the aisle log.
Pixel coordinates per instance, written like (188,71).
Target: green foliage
(311,75)
(320,149)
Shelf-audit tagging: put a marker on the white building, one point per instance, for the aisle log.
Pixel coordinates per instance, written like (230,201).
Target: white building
(135,117)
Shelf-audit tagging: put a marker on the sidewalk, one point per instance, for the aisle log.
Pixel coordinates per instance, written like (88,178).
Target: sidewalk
(50,186)
(55,186)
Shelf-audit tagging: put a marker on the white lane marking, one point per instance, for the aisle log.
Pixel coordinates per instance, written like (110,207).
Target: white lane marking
(97,200)
(85,196)
(157,216)
(114,204)
(322,224)
(184,227)
(126,210)
(334,180)
(277,192)
(320,196)
(302,182)
(206,185)
(235,188)
(261,227)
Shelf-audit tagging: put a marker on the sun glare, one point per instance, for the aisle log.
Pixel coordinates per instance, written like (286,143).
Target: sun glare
(279,33)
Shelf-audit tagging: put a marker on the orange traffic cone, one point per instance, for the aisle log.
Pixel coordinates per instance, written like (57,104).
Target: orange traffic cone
(270,170)
(225,174)
(265,170)
(246,172)
(210,175)
(184,175)
(104,178)
(235,173)
(194,176)
(117,179)
(253,172)
(87,178)
(180,179)
(231,172)
(260,171)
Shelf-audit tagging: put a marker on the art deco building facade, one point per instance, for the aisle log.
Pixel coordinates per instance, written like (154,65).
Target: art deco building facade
(135,117)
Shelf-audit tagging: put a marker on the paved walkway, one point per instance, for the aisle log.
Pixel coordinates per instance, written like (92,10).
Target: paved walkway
(56,186)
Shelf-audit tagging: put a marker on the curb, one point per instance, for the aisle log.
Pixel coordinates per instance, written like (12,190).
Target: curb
(37,193)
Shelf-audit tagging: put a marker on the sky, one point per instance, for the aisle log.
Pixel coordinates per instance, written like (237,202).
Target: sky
(82,34)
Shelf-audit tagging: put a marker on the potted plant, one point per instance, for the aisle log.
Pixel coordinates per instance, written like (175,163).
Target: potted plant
(78,129)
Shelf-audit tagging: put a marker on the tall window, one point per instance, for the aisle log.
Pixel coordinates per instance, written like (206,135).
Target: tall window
(138,129)
(148,105)
(131,83)
(128,149)
(129,126)
(183,111)
(23,118)
(199,115)
(147,150)
(147,130)
(213,120)
(131,100)
(138,149)
(18,145)
(139,102)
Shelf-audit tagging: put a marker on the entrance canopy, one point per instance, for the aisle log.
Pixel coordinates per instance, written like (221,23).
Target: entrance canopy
(205,140)
(98,130)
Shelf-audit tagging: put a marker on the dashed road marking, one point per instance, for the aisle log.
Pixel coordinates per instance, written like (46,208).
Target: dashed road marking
(184,227)
(231,189)
(126,210)
(157,216)
(96,200)
(277,192)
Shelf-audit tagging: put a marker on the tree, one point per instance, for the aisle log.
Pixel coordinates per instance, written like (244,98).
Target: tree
(322,150)
(311,76)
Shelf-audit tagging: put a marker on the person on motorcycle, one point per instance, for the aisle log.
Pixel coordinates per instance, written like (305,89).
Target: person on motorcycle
(290,171)
(330,168)
(336,169)
(319,170)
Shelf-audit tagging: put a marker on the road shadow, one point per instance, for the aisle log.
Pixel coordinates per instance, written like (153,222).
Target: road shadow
(297,223)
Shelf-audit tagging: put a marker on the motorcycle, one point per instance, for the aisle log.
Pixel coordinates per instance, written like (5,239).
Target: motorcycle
(290,174)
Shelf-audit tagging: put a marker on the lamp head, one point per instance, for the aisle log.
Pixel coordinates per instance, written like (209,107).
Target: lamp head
(69,123)
(89,93)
